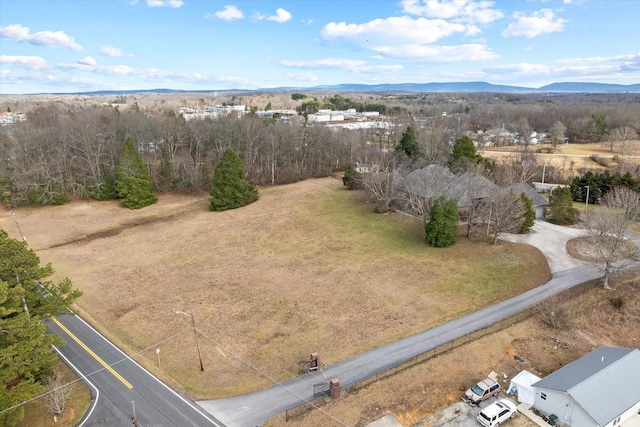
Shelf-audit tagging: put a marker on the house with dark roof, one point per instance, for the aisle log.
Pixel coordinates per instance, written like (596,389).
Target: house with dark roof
(601,389)
(539,203)
(434,181)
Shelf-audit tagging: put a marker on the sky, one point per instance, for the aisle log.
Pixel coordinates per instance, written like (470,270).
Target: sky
(58,46)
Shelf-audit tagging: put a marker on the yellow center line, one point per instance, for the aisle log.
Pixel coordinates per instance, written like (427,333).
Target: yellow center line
(95,356)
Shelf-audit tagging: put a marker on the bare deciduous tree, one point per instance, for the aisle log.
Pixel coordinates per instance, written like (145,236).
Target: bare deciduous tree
(506,212)
(558,133)
(607,228)
(58,394)
(383,186)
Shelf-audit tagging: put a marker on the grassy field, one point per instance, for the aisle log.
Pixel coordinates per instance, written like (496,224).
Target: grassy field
(570,160)
(416,395)
(307,268)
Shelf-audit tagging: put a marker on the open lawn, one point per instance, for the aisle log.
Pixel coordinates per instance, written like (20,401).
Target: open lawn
(309,267)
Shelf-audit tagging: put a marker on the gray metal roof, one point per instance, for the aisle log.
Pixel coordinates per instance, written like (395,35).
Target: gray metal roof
(604,382)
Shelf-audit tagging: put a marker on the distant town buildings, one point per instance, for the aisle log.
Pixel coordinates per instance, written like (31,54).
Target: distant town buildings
(348,119)
(213,111)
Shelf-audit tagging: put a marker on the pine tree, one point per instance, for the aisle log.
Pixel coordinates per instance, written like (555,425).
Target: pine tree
(26,300)
(230,189)
(464,148)
(408,144)
(561,206)
(442,228)
(133,185)
(529,214)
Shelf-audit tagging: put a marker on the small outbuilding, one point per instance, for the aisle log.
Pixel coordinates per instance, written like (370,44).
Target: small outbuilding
(522,385)
(601,389)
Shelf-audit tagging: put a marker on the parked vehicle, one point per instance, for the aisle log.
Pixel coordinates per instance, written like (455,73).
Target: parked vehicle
(481,391)
(497,413)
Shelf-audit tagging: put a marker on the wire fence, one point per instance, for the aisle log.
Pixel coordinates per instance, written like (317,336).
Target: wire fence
(374,377)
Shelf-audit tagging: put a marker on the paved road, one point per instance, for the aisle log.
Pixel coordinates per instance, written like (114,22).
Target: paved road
(116,381)
(255,408)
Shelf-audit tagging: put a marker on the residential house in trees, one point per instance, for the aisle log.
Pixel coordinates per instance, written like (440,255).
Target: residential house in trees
(435,181)
(539,202)
(601,389)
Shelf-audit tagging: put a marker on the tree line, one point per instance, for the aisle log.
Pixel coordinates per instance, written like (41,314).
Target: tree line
(60,153)
(67,151)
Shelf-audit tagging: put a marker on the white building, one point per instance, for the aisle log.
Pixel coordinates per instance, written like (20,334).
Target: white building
(601,389)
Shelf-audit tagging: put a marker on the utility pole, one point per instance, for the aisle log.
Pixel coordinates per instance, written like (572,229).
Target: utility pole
(195,333)
(586,201)
(133,412)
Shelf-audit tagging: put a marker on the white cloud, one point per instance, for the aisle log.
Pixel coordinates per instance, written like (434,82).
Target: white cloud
(280,17)
(302,77)
(113,51)
(616,69)
(409,38)
(398,29)
(350,65)
(465,52)
(19,33)
(229,13)
(87,60)
(165,3)
(326,63)
(540,22)
(461,10)
(30,62)
(632,58)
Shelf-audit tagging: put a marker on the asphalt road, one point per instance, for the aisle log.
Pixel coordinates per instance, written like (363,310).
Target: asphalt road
(118,384)
(255,408)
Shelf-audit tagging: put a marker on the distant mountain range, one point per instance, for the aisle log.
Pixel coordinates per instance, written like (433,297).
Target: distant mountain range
(570,87)
(566,87)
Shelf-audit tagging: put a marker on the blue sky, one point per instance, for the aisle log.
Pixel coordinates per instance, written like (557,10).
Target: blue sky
(85,45)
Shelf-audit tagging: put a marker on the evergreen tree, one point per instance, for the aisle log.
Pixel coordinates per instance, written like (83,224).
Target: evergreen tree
(133,185)
(352,179)
(597,127)
(463,155)
(26,300)
(230,189)
(442,228)
(529,214)
(464,148)
(561,206)
(408,144)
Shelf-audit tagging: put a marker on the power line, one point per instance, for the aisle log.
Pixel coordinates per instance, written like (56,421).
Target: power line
(278,383)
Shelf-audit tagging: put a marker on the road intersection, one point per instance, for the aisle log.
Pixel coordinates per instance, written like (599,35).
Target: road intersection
(122,389)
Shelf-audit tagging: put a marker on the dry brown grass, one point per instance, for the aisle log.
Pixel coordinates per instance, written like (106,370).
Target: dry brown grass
(584,248)
(424,389)
(307,268)
(570,160)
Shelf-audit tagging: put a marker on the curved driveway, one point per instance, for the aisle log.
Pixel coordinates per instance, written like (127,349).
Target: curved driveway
(552,240)
(255,408)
